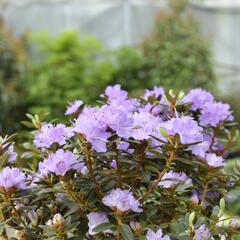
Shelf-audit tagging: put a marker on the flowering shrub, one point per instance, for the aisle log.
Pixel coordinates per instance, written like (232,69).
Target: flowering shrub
(150,168)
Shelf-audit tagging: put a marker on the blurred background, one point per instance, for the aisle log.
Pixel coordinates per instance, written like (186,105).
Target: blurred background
(55,51)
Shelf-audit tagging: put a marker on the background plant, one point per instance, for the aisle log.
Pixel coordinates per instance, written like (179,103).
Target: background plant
(12,72)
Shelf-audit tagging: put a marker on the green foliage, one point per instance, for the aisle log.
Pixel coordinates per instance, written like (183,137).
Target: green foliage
(12,70)
(69,68)
(176,55)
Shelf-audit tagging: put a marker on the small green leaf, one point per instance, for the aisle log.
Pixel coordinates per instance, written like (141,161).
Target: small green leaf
(126,232)
(102,227)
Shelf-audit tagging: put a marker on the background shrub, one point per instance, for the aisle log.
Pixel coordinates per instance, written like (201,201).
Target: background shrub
(12,71)
(175,54)
(69,67)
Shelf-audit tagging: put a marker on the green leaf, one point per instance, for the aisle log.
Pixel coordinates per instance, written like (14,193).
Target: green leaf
(126,232)
(102,227)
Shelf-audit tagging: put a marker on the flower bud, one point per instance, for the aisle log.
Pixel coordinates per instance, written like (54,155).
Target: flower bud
(49,223)
(136,227)
(20,235)
(40,213)
(58,222)
(33,216)
(191,218)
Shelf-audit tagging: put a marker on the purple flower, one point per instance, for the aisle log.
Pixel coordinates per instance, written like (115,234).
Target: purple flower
(116,118)
(198,98)
(59,163)
(144,125)
(156,92)
(122,145)
(155,110)
(115,92)
(114,164)
(95,132)
(214,113)
(186,127)
(151,235)
(171,178)
(73,107)
(195,197)
(50,134)
(12,155)
(214,161)
(122,200)
(202,233)
(12,178)
(200,149)
(95,219)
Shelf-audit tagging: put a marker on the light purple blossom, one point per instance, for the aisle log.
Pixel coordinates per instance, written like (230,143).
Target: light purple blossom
(124,146)
(202,233)
(12,178)
(171,178)
(214,161)
(151,235)
(114,164)
(73,107)
(59,163)
(122,200)
(116,118)
(186,127)
(155,110)
(12,155)
(144,125)
(95,219)
(115,93)
(195,197)
(198,98)
(156,92)
(200,149)
(50,134)
(214,113)
(93,131)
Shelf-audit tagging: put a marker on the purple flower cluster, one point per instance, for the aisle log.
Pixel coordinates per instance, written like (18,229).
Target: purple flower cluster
(73,107)
(211,112)
(198,98)
(151,235)
(202,233)
(187,129)
(156,92)
(95,132)
(214,113)
(145,125)
(12,155)
(171,178)
(50,134)
(95,219)
(122,201)
(12,178)
(59,163)
(214,161)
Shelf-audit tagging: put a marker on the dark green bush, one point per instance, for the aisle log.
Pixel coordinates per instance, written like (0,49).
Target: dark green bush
(12,72)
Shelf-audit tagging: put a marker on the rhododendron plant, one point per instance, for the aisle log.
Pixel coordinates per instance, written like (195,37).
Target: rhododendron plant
(148,168)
